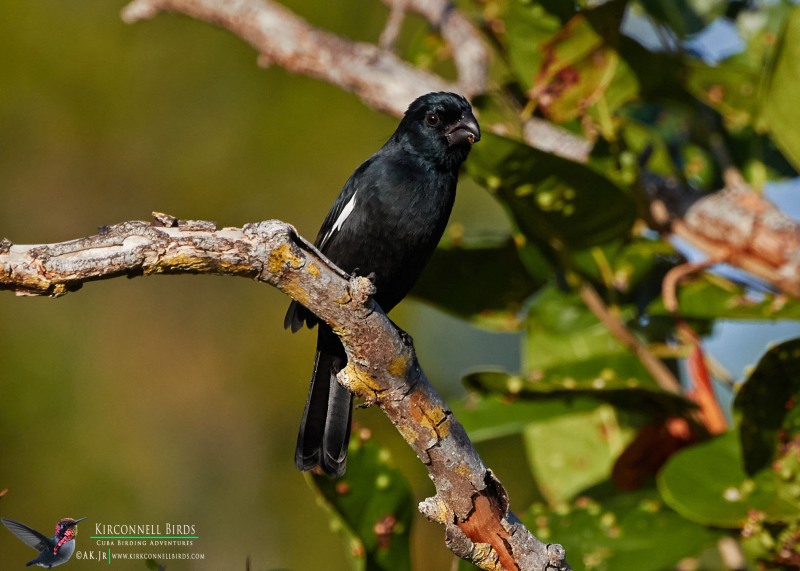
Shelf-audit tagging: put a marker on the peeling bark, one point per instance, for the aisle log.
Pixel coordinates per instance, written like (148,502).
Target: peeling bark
(382,365)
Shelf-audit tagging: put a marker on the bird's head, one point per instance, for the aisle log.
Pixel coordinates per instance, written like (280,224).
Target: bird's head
(441,127)
(68,527)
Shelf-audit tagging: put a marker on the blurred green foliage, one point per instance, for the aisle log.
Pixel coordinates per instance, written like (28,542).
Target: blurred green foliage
(174,399)
(594,426)
(177,399)
(372,505)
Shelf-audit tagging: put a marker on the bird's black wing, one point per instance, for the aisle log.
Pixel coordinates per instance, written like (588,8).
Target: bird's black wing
(325,427)
(343,206)
(26,535)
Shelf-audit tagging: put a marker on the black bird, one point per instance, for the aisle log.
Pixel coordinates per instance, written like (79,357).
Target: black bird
(386,221)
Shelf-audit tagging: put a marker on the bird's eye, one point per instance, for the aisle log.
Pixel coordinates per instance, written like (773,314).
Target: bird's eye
(432,119)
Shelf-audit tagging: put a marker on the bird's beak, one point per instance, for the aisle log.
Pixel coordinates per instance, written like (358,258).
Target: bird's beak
(76,521)
(464,131)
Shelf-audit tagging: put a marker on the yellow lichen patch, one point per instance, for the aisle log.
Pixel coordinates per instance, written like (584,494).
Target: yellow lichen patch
(443,423)
(463,470)
(59,290)
(313,269)
(235,269)
(485,558)
(359,382)
(296,292)
(408,432)
(432,418)
(345,299)
(177,262)
(283,257)
(437,510)
(398,366)
(28,282)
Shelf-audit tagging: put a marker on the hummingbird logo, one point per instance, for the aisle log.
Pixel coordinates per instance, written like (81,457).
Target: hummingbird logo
(52,550)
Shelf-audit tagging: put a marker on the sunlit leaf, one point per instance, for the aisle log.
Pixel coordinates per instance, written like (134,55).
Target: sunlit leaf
(714,297)
(781,111)
(492,416)
(739,87)
(581,73)
(554,202)
(730,89)
(567,348)
(570,354)
(569,69)
(621,531)
(580,379)
(528,26)
(707,483)
(571,452)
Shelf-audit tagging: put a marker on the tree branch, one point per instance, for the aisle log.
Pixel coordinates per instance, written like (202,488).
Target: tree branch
(734,225)
(376,75)
(754,241)
(470,502)
(657,369)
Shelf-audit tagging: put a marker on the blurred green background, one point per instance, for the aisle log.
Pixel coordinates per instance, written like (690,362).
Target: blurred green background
(176,399)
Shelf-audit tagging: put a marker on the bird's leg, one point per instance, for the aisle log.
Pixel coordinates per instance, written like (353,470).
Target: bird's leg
(407,340)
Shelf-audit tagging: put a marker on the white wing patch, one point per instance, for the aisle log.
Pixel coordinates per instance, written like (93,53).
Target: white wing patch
(346,211)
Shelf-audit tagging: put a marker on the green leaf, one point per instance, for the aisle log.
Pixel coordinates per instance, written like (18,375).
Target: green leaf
(554,202)
(570,354)
(742,87)
(623,531)
(581,74)
(372,505)
(781,111)
(637,261)
(641,137)
(568,348)
(729,88)
(713,297)
(767,405)
(491,416)
(706,483)
(581,379)
(483,281)
(569,70)
(760,158)
(528,27)
(569,453)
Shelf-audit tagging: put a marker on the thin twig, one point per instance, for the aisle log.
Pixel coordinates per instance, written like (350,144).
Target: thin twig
(394,23)
(703,393)
(660,373)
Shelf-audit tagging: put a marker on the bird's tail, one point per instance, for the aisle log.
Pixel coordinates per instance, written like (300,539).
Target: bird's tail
(325,427)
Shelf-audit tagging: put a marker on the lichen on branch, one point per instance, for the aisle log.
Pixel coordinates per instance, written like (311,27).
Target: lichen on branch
(382,365)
